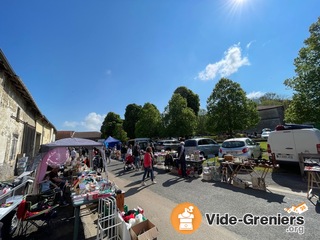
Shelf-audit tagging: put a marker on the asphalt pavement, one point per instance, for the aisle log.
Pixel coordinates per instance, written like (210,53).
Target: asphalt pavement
(285,189)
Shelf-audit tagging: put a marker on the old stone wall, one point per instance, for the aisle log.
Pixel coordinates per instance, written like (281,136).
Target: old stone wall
(14,114)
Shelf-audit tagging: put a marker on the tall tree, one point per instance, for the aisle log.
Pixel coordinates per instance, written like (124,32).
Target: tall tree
(110,126)
(193,100)
(149,121)
(229,110)
(202,123)
(180,120)
(131,117)
(273,99)
(305,104)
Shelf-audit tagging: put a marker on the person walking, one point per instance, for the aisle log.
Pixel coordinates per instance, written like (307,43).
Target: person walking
(136,155)
(182,159)
(147,163)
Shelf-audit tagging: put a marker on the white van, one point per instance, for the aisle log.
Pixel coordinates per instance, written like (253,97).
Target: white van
(287,142)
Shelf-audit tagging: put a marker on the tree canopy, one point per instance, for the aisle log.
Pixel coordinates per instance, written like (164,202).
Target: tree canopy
(305,104)
(193,100)
(149,121)
(131,117)
(229,109)
(112,126)
(179,120)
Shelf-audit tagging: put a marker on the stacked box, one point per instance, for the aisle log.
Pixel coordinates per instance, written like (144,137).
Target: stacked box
(145,230)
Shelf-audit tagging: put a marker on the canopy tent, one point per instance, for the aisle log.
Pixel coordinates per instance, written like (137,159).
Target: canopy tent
(56,154)
(111,142)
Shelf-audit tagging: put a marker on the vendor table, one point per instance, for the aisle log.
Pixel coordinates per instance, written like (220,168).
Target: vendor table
(196,164)
(230,171)
(313,180)
(15,201)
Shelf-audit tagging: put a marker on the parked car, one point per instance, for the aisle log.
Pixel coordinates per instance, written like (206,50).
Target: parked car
(143,142)
(266,130)
(167,145)
(207,147)
(265,134)
(241,147)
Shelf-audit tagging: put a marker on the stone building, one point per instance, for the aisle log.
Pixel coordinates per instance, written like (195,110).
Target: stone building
(270,117)
(23,128)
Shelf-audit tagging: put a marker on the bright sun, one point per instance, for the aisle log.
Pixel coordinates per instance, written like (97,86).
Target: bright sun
(235,6)
(239,1)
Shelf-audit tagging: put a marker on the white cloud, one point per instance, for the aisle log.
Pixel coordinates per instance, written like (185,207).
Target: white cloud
(92,122)
(255,95)
(249,44)
(228,65)
(70,124)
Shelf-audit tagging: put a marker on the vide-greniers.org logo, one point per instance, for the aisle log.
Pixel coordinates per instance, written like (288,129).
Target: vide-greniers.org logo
(250,219)
(294,223)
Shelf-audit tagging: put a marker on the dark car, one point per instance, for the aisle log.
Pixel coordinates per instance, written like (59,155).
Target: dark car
(167,145)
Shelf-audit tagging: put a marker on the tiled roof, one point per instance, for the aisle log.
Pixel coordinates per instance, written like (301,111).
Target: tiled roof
(64,134)
(87,135)
(268,107)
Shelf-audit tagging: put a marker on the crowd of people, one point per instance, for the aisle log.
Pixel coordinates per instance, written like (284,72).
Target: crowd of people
(143,159)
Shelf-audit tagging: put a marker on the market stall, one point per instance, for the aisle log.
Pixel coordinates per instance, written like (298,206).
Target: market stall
(57,153)
(231,167)
(310,163)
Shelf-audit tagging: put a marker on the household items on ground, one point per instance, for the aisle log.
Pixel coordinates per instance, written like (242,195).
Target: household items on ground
(231,168)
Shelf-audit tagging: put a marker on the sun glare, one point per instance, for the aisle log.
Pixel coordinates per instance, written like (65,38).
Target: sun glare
(235,7)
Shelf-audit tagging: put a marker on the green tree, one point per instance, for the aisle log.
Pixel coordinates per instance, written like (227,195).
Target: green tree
(229,110)
(193,100)
(131,117)
(179,120)
(119,133)
(305,104)
(149,121)
(111,125)
(202,123)
(273,99)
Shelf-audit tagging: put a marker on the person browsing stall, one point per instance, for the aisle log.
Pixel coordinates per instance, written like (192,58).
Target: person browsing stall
(182,159)
(147,163)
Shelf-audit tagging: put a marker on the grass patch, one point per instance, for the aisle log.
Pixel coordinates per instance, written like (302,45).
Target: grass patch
(263,146)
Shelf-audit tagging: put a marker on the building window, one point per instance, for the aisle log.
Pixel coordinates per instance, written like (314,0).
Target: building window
(14,144)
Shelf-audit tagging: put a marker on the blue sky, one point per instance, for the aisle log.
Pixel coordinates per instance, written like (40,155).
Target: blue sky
(83,59)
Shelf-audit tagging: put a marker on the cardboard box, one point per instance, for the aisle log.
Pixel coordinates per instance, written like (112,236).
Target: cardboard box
(145,230)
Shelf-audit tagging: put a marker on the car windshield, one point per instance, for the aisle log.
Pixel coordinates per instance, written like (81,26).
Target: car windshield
(233,144)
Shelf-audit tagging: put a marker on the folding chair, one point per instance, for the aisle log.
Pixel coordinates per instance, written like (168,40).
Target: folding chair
(34,210)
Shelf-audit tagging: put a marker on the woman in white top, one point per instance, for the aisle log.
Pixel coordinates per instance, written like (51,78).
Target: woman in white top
(129,151)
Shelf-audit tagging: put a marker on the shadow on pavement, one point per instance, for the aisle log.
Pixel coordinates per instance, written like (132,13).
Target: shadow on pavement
(289,176)
(61,228)
(267,195)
